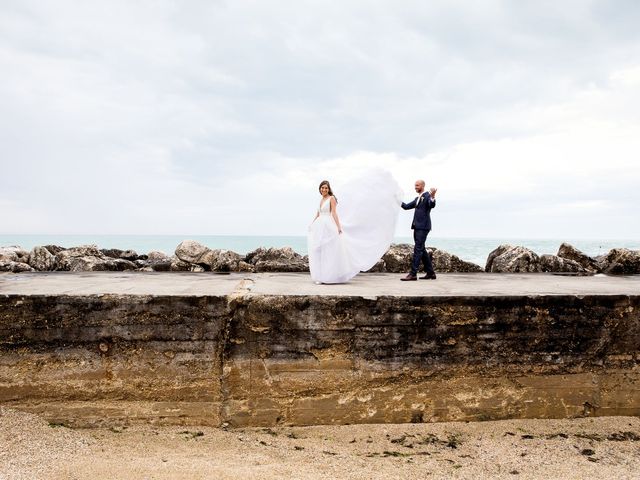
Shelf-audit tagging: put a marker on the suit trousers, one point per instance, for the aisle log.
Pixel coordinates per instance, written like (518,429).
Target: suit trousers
(420,253)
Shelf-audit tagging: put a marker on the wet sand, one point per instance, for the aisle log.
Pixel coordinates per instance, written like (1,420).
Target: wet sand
(605,447)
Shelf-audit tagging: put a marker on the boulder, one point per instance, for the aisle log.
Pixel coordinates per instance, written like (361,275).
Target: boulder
(88,258)
(223,261)
(496,253)
(191,251)
(111,252)
(130,255)
(245,267)
(15,267)
(178,265)
(219,260)
(41,259)
(80,259)
(446,262)
(620,261)
(570,252)
(54,249)
(120,265)
(283,259)
(157,262)
(398,258)
(557,264)
(507,258)
(13,253)
(157,257)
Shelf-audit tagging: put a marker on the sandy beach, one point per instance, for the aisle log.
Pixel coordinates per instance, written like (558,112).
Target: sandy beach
(606,447)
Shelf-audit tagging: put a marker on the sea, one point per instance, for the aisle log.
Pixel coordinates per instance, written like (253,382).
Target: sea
(474,250)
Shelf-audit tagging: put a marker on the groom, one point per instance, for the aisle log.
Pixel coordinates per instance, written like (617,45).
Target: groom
(421,226)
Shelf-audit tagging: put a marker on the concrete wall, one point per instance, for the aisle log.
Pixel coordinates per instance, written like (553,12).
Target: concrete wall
(271,359)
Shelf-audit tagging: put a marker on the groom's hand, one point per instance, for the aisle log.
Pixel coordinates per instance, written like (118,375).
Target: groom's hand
(432,192)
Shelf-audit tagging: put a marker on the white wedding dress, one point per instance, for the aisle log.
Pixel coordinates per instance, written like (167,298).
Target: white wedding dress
(368,208)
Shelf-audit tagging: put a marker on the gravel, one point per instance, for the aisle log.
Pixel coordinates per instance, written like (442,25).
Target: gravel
(604,447)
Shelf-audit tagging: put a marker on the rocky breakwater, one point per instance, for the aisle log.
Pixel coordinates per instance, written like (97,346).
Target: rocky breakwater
(191,256)
(517,259)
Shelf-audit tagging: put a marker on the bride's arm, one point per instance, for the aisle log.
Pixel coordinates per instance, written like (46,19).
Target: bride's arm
(314,219)
(334,214)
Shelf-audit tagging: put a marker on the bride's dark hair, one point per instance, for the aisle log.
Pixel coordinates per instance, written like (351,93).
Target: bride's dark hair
(326,182)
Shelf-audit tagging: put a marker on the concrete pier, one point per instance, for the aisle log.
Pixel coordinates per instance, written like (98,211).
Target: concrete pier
(268,349)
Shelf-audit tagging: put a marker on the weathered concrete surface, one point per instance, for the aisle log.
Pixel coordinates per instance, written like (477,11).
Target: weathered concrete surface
(264,349)
(363,285)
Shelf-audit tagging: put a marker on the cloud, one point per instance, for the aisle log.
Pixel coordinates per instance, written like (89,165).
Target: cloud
(207,117)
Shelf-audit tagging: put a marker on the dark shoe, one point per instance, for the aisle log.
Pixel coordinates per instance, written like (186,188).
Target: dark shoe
(409,278)
(429,276)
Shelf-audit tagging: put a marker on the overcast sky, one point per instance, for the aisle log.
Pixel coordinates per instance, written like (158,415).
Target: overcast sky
(221,117)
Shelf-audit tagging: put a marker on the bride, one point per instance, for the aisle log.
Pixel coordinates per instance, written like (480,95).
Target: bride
(341,246)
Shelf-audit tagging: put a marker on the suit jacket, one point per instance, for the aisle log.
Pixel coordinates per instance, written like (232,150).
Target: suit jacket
(422,214)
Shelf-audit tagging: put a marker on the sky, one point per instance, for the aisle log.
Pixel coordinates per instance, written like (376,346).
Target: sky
(222,117)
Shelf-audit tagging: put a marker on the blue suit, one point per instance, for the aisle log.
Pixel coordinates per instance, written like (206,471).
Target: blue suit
(421,226)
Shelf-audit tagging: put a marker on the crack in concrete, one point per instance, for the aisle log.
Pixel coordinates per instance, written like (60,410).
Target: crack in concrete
(234,304)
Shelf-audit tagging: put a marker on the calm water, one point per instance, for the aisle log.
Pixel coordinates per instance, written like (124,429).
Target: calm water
(473,250)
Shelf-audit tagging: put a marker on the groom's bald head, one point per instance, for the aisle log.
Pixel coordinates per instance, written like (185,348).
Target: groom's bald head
(419,186)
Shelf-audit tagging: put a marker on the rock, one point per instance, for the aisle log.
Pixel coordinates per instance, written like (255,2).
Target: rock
(620,261)
(130,255)
(15,267)
(555,263)
(572,253)
(165,267)
(81,259)
(283,259)
(507,258)
(191,251)
(41,259)
(157,257)
(245,267)
(54,249)
(496,253)
(13,253)
(120,265)
(398,258)
(158,261)
(177,265)
(88,258)
(446,262)
(111,252)
(223,261)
